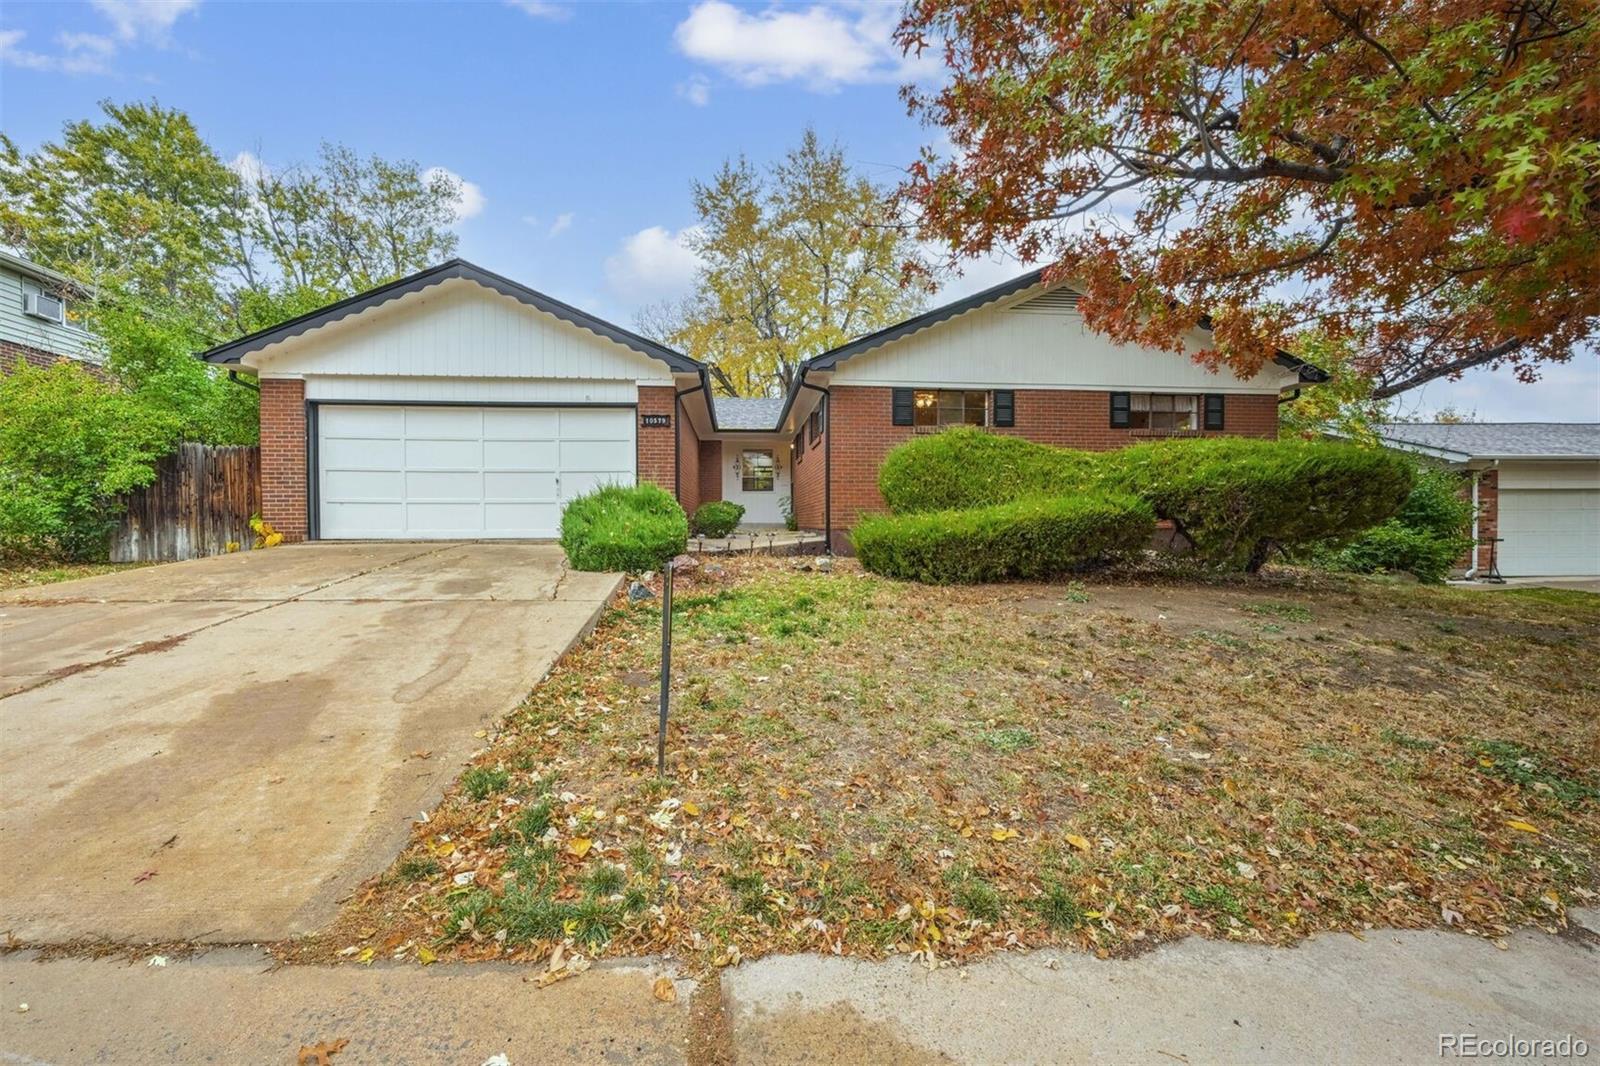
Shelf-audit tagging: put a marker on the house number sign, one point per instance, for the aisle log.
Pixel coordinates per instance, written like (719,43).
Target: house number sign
(655,420)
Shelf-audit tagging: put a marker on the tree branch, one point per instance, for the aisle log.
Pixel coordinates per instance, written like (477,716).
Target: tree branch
(1455,366)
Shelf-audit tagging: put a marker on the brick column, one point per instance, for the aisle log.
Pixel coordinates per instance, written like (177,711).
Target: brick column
(656,462)
(1488,515)
(283,456)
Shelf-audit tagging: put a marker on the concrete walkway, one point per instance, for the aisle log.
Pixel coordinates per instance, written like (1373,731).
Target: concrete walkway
(1385,998)
(219,750)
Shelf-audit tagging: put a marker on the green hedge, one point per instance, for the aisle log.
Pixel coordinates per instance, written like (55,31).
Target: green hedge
(968,467)
(717,518)
(618,528)
(1426,538)
(1239,500)
(1029,538)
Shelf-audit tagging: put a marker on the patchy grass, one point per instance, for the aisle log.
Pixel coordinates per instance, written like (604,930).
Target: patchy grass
(23,576)
(864,766)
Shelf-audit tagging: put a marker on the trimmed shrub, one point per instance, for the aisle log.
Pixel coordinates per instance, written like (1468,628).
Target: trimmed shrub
(614,527)
(1238,501)
(1029,538)
(1431,531)
(717,518)
(969,467)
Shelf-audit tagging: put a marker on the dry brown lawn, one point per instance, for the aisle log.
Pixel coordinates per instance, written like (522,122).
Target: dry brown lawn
(862,766)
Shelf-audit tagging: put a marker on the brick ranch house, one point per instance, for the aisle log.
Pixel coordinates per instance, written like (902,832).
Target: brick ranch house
(1535,487)
(456,403)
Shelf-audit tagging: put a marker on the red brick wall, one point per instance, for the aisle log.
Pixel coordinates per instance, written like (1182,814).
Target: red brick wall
(656,458)
(1488,516)
(689,449)
(807,483)
(710,470)
(13,355)
(283,456)
(862,418)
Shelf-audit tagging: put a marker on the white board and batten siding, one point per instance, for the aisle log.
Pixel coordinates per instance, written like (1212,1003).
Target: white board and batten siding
(1039,341)
(456,329)
(456,412)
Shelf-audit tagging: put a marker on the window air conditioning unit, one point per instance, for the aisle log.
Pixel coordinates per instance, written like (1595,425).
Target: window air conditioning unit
(41,305)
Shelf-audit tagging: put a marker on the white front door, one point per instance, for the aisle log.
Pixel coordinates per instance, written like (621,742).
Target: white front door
(1549,532)
(444,472)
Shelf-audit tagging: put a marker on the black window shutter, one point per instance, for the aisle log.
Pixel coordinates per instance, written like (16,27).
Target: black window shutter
(1005,407)
(903,403)
(1214,411)
(1119,410)
(822,415)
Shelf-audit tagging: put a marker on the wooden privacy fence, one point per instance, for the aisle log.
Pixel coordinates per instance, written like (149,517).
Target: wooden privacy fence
(199,503)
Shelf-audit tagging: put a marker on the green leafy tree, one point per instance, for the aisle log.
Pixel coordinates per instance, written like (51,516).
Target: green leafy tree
(796,260)
(69,443)
(137,202)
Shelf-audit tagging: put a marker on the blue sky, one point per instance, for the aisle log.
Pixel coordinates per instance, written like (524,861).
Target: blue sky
(577,126)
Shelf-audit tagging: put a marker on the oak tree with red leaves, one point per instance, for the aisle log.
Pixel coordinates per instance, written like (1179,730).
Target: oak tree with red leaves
(1420,179)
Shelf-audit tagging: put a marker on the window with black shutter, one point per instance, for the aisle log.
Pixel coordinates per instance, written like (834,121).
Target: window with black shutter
(904,407)
(1119,410)
(799,446)
(1005,407)
(1214,417)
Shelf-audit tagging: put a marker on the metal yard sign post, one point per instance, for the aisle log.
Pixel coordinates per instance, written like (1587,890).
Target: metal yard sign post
(666,666)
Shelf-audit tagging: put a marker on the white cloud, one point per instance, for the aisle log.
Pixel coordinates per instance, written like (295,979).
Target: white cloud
(470,200)
(540,9)
(144,20)
(133,22)
(821,46)
(654,264)
(562,223)
(249,166)
(697,90)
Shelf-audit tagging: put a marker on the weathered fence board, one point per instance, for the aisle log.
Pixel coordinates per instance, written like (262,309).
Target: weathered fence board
(199,503)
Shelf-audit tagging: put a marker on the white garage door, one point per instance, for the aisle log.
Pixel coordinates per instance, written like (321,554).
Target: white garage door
(445,472)
(1545,532)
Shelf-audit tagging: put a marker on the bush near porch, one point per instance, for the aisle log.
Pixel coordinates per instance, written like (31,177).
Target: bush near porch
(1235,501)
(716,518)
(629,528)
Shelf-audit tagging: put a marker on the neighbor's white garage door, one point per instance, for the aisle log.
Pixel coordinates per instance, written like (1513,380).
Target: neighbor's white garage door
(443,472)
(1545,532)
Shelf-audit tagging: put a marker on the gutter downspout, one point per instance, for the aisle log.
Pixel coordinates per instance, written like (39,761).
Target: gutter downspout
(677,437)
(233,376)
(827,461)
(1472,571)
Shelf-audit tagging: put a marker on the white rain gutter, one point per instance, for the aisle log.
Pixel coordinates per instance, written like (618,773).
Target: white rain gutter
(1472,571)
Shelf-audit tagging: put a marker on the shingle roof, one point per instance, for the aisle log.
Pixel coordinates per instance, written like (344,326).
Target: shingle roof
(232,351)
(732,412)
(1497,440)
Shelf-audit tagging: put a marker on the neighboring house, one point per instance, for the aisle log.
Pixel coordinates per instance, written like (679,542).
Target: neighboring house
(1536,486)
(458,403)
(41,317)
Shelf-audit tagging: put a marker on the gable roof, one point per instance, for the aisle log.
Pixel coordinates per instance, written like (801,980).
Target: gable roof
(1461,441)
(828,360)
(233,351)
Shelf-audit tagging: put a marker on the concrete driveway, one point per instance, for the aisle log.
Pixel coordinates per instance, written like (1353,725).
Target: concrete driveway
(221,749)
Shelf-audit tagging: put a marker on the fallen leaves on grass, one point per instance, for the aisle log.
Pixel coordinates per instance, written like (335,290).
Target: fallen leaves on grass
(946,772)
(320,1054)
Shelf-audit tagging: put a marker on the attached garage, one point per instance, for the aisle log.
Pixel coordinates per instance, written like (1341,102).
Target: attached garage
(461,471)
(457,404)
(1537,485)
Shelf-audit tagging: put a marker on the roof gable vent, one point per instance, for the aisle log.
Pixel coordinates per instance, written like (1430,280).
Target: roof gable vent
(1055,302)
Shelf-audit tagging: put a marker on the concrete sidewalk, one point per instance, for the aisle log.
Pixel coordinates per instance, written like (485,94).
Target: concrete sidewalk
(1385,998)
